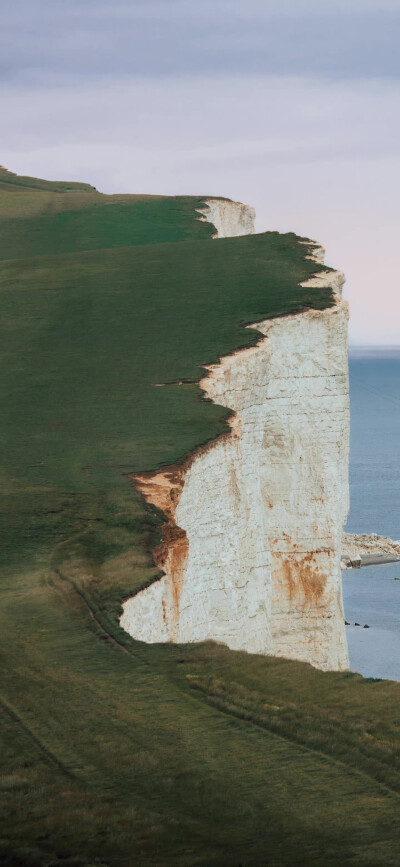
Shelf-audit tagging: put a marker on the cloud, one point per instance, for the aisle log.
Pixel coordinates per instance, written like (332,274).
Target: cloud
(207,119)
(41,38)
(290,106)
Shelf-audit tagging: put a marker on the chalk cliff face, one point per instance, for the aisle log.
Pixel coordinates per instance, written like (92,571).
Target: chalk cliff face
(229,219)
(251,549)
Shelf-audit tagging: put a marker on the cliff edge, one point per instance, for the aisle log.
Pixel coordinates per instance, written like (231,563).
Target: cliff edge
(252,542)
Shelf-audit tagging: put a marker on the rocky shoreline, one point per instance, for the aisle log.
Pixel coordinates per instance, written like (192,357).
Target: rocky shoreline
(368,550)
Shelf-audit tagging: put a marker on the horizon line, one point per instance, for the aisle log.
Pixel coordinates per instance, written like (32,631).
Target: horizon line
(374,346)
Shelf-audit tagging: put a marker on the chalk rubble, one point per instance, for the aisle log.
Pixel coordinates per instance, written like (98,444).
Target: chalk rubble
(361,549)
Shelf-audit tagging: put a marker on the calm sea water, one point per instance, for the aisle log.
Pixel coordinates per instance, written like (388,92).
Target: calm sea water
(371,595)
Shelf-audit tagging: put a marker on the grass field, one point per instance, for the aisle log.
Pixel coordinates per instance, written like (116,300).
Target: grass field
(114,752)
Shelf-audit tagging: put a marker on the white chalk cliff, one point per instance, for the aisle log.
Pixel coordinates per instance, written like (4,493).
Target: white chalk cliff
(229,219)
(252,545)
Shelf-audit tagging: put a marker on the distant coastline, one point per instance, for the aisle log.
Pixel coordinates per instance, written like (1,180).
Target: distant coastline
(356,351)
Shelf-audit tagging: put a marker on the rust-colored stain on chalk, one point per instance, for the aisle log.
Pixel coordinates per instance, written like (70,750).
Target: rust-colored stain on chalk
(302,574)
(163,490)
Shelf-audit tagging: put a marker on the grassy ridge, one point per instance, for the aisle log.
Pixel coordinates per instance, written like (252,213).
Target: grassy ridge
(113,750)
(56,218)
(17,183)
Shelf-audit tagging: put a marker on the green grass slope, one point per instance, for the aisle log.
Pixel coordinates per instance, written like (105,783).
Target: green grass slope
(114,752)
(39,218)
(16,183)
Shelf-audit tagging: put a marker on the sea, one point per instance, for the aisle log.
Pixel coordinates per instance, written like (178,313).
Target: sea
(371,595)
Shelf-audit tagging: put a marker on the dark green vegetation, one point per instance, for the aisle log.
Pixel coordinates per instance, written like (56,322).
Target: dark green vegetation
(114,752)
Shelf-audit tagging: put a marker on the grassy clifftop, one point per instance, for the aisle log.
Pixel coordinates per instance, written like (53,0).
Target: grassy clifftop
(114,750)
(55,218)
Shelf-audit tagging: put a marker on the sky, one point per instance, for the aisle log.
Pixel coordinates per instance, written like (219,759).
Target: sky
(290,106)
